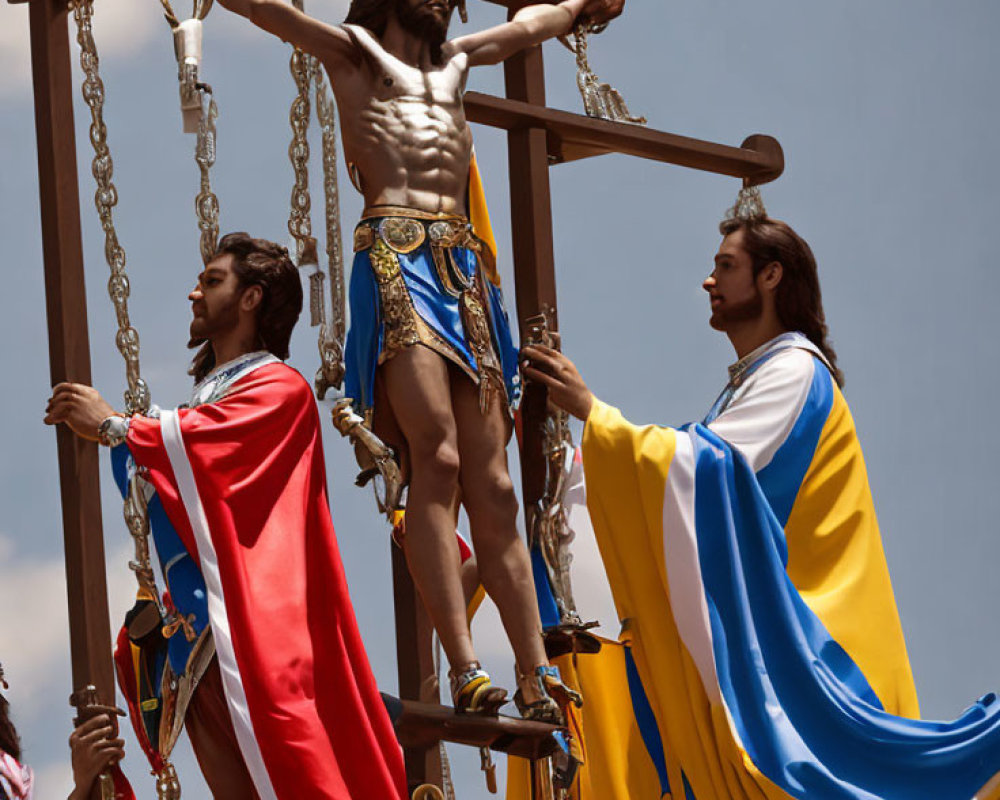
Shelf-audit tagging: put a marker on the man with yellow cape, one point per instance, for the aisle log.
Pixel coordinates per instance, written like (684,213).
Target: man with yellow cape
(745,560)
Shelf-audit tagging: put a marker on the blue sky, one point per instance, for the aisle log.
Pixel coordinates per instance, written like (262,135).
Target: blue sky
(888,118)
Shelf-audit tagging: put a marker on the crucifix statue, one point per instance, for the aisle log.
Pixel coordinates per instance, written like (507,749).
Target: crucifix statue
(429,353)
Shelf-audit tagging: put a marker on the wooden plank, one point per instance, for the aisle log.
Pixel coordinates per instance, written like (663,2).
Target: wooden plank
(415,665)
(69,350)
(572,136)
(532,250)
(425,724)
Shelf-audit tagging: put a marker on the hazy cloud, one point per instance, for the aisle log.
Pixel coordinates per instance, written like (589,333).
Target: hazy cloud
(35,647)
(121,28)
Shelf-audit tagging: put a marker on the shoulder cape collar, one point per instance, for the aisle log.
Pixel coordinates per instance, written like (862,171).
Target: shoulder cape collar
(217,383)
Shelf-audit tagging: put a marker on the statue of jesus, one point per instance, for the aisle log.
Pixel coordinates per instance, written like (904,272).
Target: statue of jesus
(429,355)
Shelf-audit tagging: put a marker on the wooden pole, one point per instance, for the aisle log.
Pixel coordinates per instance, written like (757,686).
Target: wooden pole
(69,350)
(415,662)
(533,253)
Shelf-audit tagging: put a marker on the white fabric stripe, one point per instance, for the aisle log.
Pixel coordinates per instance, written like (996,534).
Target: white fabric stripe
(766,408)
(231,681)
(680,547)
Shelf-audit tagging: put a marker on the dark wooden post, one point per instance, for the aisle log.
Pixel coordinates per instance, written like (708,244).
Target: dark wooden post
(69,350)
(415,662)
(534,259)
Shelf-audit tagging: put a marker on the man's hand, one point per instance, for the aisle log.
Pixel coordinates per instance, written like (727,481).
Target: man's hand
(80,407)
(557,373)
(93,750)
(597,12)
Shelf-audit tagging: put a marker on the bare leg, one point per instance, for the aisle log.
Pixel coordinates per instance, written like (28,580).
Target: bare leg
(488,495)
(213,740)
(417,384)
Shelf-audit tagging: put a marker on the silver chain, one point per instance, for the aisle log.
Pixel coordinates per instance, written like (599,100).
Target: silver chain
(600,100)
(206,204)
(137,398)
(299,221)
(105,198)
(200,11)
(306,71)
(331,337)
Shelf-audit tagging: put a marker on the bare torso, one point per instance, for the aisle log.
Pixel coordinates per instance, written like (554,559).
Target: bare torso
(404,129)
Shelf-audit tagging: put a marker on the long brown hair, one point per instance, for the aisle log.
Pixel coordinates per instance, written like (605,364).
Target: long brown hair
(370,14)
(374,15)
(798,299)
(259,262)
(10,742)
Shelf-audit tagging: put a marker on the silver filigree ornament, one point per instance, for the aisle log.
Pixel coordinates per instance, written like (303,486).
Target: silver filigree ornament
(749,205)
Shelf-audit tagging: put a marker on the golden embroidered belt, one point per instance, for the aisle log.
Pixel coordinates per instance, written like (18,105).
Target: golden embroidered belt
(405,229)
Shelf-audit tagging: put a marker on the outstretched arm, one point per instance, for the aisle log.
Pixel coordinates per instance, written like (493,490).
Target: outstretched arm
(530,26)
(326,42)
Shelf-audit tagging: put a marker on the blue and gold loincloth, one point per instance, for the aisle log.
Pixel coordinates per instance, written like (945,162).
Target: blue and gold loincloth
(422,278)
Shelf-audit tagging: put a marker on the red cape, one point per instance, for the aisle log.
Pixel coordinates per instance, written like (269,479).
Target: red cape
(244,482)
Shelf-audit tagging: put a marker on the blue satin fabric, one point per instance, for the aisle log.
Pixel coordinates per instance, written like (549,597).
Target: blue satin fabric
(804,711)
(180,572)
(440,311)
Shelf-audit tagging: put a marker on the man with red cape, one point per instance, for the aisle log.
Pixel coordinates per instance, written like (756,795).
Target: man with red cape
(289,708)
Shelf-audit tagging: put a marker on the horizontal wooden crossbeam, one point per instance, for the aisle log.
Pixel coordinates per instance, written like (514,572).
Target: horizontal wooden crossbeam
(422,725)
(574,136)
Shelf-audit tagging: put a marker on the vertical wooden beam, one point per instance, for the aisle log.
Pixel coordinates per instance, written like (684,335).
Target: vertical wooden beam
(534,259)
(69,351)
(415,662)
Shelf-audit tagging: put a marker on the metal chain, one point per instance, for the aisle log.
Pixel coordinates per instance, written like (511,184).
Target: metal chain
(299,221)
(200,11)
(105,199)
(600,100)
(307,71)
(137,399)
(331,337)
(206,204)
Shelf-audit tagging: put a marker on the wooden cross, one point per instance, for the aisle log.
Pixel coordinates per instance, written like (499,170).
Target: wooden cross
(538,137)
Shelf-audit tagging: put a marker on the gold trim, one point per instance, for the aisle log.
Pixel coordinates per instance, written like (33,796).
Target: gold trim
(402,234)
(364,237)
(402,324)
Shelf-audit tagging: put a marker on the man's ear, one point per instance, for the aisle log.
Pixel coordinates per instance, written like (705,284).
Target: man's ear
(252,298)
(771,275)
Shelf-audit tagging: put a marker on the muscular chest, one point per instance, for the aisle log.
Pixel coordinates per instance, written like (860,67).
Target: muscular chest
(408,105)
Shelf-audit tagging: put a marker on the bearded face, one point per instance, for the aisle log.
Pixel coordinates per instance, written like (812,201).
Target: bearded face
(215,301)
(426,19)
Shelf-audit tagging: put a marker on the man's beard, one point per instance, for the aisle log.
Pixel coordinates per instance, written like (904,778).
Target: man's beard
(223,320)
(748,310)
(423,24)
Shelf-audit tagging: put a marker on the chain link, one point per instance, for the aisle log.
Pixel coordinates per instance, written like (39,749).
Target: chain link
(307,71)
(600,100)
(200,11)
(331,337)
(137,399)
(206,204)
(105,199)
(299,221)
